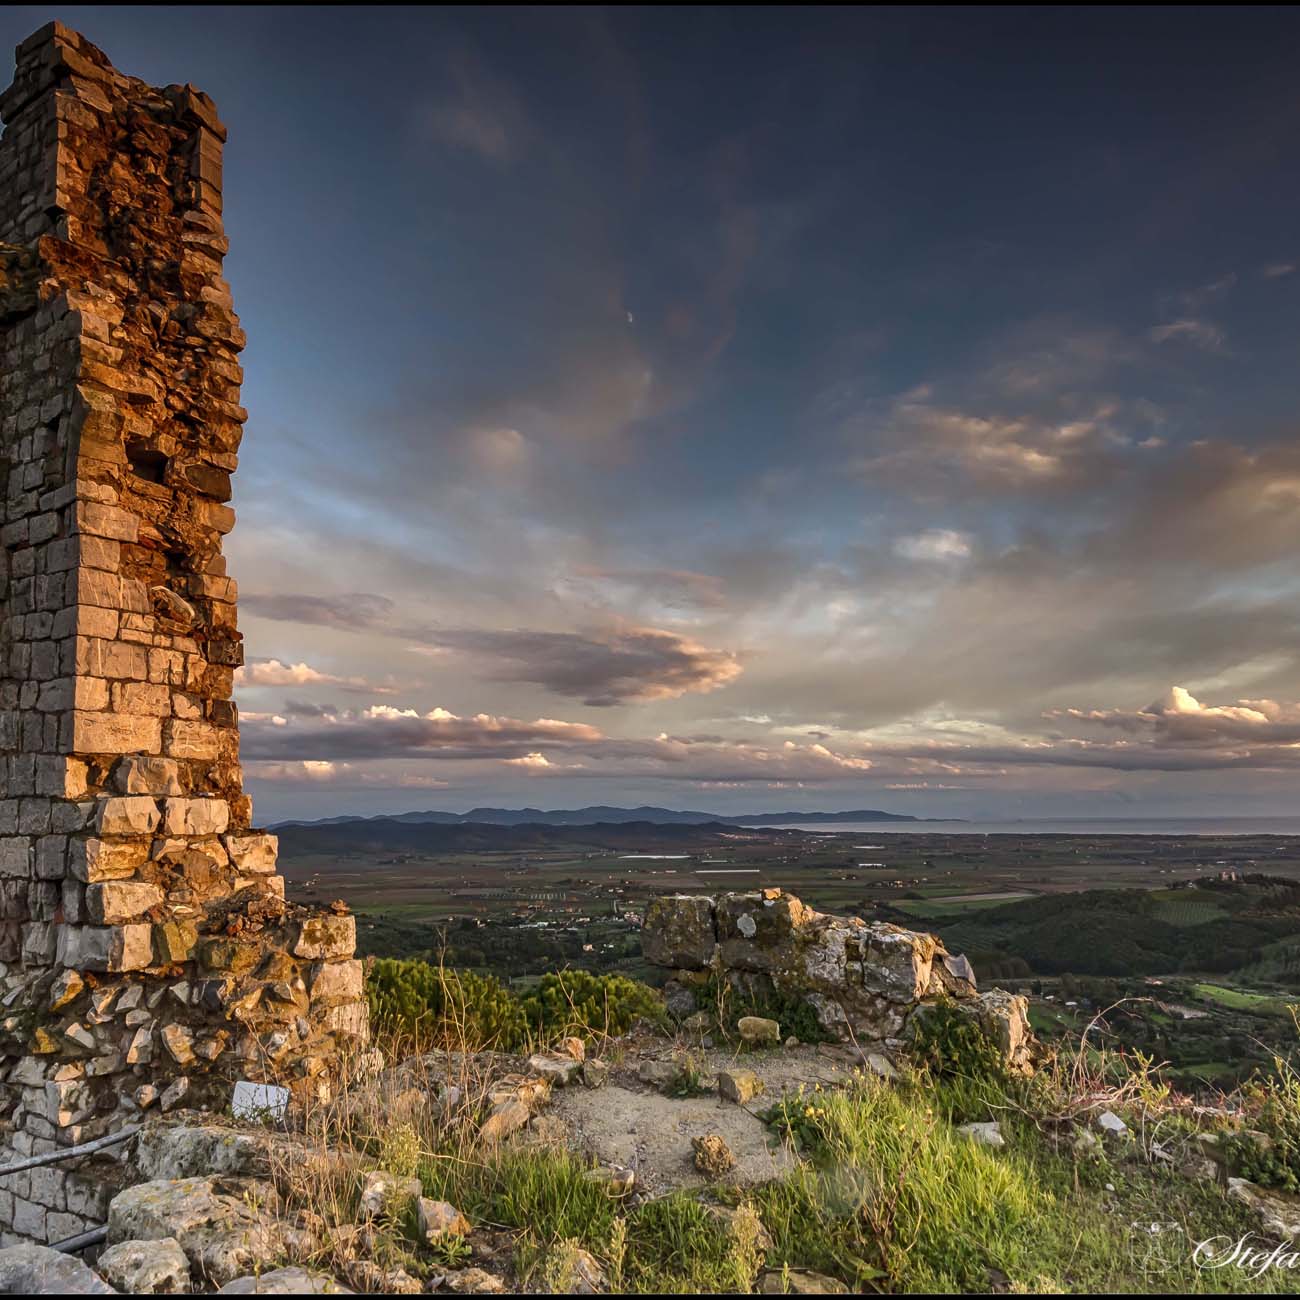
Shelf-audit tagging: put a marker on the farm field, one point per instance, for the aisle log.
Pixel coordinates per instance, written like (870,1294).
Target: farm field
(1193,941)
(923,874)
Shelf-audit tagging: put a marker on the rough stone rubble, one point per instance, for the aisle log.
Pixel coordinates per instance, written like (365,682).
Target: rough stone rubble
(866,981)
(147,952)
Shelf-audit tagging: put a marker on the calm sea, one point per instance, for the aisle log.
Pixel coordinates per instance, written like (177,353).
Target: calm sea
(1183,826)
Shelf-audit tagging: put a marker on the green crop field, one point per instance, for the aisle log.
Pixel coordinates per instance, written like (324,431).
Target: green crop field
(940,908)
(1239,1000)
(1186,907)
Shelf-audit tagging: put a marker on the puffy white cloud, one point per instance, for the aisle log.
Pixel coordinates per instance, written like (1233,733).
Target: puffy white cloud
(934,544)
(271,672)
(1179,718)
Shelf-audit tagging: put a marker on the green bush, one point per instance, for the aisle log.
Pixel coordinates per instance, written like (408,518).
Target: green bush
(578,1002)
(951,1045)
(1275,1161)
(417,1000)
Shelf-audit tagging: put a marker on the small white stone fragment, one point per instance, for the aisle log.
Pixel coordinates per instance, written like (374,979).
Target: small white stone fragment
(259,1101)
(987,1133)
(1109,1122)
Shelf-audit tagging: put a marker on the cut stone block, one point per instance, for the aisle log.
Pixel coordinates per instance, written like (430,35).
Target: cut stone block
(92,860)
(337,982)
(117,901)
(127,815)
(326,936)
(195,816)
(254,854)
(137,774)
(105,948)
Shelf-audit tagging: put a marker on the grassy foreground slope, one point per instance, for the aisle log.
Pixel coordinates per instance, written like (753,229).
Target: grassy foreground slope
(886,1197)
(886,1194)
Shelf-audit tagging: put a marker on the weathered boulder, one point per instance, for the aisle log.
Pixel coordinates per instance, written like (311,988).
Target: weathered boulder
(558,1069)
(617,1180)
(438,1219)
(37,1270)
(864,980)
(740,1218)
(759,1031)
(1004,1017)
(1277,1213)
(713,1156)
(475,1281)
(761,933)
(505,1118)
(383,1191)
(739,1086)
(679,932)
(369,1277)
(286,1281)
(223,1225)
(147,1267)
(659,1074)
(170,1151)
(679,1000)
(573,1271)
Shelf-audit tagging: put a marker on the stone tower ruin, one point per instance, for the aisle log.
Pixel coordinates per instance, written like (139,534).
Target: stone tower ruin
(146,949)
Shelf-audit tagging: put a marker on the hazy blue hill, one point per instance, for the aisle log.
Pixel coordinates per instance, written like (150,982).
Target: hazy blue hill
(601,813)
(393,836)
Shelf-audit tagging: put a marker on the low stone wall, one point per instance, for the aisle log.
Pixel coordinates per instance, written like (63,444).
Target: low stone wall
(864,980)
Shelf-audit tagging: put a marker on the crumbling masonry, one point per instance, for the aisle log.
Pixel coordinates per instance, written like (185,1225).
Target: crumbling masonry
(146,950)
(868,982)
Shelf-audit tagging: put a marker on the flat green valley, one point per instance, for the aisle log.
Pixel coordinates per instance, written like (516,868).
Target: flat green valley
(1189,946)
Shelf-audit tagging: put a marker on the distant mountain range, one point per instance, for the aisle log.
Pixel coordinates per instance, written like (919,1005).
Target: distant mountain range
(599,813)
(379,835)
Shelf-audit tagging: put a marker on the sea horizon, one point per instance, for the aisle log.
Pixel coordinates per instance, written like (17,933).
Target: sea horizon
(1184,826)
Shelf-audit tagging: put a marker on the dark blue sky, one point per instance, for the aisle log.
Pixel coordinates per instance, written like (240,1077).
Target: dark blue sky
(740,407)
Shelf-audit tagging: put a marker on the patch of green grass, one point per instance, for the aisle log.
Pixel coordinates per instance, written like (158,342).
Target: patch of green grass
(1239,999)
(675,1245)
(1208,1070)
(426,1003)
(546,1192)
(689,1081)
(726,1006)
(893,1198)
(668,1245)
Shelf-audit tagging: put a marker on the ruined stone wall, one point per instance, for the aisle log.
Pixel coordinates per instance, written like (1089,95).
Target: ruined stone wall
(146,949)
(865,981)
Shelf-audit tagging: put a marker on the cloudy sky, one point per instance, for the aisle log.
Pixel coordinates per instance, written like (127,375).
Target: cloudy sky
(752,408)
